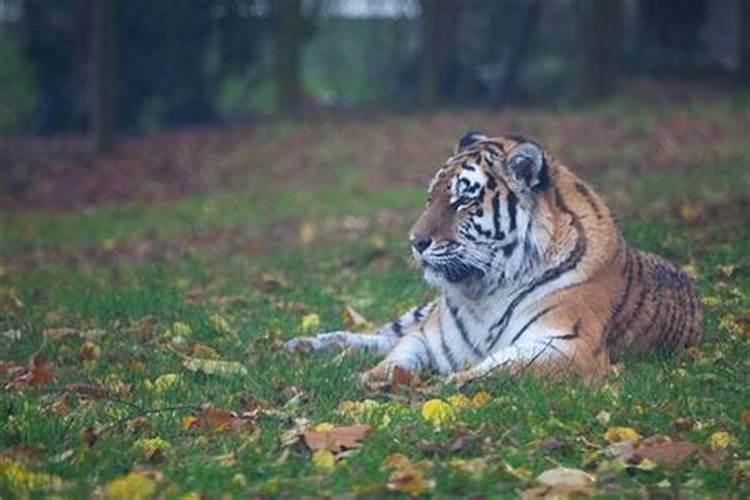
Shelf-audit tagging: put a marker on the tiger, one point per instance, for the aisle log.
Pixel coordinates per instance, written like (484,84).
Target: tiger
(532,273)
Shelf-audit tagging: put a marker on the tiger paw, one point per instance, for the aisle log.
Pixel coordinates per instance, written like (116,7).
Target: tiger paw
(299,344)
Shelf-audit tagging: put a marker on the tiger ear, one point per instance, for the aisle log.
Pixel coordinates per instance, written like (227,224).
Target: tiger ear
(528,167)
(468,140)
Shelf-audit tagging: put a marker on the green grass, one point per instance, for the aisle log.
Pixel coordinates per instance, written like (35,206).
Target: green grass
(369,270)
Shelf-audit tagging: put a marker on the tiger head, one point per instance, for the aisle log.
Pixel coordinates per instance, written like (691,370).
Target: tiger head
(476,231)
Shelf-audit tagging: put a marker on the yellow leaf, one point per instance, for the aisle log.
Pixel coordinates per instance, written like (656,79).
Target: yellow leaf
(239,480)
(353,320)
(181,329)
(474,467)
(323,459)
(21,480)
(719,440)
(409,480)
(310,322)
(152,447)
(204,351)
(481,398)
(437,412)
(459,401)
(90,351)
(222,325)
(190,421)
(323,427)
(134,486)
(164,382)
(213,366)
(620,434)
(646,464)
(357,409)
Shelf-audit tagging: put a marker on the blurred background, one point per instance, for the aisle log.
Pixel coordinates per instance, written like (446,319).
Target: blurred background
(158,89)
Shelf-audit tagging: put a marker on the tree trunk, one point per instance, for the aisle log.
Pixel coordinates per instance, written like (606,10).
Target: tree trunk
(288,37)
(439,19)
(602,32)
(744,39)
(103,72)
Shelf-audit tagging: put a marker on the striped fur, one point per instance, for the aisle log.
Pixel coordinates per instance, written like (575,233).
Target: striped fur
(533,272)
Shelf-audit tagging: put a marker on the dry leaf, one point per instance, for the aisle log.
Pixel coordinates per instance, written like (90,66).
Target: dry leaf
(562,491)
(203,351)
(336,439)
(353,320)
(213,366)
(38,373)
(406,476)
(621,434)
(402,377)
(665,454)
(565,476)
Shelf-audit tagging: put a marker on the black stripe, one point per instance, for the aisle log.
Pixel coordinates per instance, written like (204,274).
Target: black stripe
(422,337)
(512,204)
(621,324)
(419,310)
(496,216)
(627,271)
(509,248)
(570,263)
(397,328)
(531,322)
(586,193)
(462,329)
(444,345)
(570,336)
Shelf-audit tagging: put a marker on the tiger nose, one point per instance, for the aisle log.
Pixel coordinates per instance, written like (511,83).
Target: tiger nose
(420,244)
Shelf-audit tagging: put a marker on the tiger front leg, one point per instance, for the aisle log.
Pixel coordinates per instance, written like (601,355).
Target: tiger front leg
(410,354)
(335,341)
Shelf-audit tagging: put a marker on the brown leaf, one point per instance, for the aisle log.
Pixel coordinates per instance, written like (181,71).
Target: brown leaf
(337,439)
(664,454)
(88,390)
(402,377)
(353,320)
(746,417)
(712,458)
(39,372)
(215,419)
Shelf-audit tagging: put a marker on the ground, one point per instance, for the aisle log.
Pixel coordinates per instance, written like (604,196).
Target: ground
(119,272)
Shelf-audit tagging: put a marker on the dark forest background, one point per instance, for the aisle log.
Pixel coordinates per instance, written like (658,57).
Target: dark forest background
(131,66)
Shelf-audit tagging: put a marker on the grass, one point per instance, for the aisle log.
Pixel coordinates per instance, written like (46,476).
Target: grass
(329,246)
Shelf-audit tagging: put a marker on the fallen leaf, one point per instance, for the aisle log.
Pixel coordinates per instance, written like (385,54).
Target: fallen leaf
(603,417)
(166,381)
(565,476)
(481,398)
(153,448)
(310,322)
(402,377)
(213,366)
(437,412)
(203,351)
(269,282)
(20,481)
(562,491)
(620,434)
(323,459)
(670,454)
(38,373)
(474,467)
(134,486)
(336,439)
(459,401)
(746,417)
(406,477)
(90,351)
(719,440)
(353,320)
(222,325)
